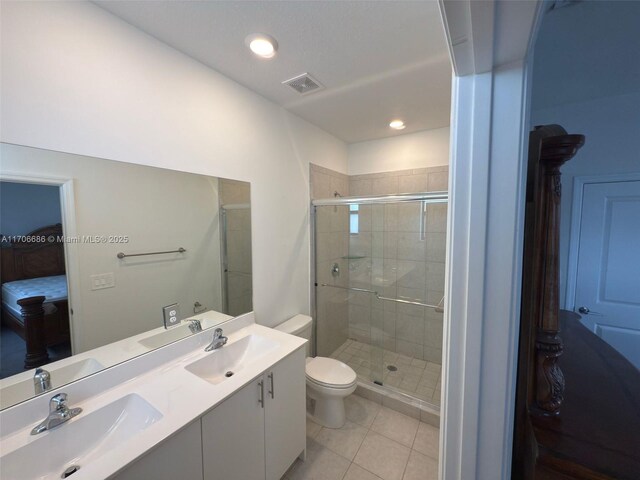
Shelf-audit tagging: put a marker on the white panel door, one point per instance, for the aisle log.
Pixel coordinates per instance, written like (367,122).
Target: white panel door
(608,275)
(285,418)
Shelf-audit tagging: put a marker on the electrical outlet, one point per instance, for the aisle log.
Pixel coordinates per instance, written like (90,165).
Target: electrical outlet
(102,280)
(171,314)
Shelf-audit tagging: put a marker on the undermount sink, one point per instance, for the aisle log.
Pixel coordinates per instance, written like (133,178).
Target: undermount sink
(21,391)
(226,361)
(79,441)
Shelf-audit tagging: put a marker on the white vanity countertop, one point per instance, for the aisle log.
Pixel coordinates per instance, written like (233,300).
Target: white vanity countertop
(180,396)
(117,352)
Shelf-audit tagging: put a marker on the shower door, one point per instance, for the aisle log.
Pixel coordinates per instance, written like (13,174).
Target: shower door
(379,278)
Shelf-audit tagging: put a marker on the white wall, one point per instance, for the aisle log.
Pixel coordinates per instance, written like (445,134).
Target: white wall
(428,148)
(611,126)
(77,79)
(25,207)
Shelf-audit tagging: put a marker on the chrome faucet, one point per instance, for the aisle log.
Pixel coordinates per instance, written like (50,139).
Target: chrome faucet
(217,342)
(41,381)
(59,413)
(194,325)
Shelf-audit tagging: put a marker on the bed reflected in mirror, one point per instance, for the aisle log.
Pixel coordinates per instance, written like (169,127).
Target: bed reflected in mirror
(104,260)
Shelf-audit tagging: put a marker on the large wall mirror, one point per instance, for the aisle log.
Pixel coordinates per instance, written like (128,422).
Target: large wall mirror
(104,260)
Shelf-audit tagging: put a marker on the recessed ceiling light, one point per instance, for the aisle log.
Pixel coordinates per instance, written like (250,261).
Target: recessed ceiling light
(263,45)
(397,125)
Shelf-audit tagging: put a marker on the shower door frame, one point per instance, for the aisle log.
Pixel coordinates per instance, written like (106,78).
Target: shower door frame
(430,197)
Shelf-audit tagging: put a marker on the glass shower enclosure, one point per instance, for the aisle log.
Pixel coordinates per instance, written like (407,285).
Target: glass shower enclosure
(379,288)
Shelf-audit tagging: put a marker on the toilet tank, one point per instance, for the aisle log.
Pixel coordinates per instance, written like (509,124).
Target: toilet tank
(300,326)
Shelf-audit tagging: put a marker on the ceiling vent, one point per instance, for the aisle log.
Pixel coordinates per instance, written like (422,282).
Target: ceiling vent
(304,84)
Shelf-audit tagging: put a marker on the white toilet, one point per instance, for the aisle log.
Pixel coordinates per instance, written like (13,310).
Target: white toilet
(329,381)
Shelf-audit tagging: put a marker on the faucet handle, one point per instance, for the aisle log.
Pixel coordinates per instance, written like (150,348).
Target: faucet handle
(58,402)
(217,333)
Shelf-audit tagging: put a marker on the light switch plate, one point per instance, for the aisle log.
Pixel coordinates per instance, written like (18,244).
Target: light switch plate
(171,315)
(102,280)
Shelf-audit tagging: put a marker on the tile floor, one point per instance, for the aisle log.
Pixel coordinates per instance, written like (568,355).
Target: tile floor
(414,376)
(376,443)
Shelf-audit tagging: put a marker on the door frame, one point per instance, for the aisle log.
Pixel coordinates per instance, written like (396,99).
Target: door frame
(69,229)
(579,182)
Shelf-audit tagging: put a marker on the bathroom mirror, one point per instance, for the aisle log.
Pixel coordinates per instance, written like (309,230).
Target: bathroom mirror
(97,255)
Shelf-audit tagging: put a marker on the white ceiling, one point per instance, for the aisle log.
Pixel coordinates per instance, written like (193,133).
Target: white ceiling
(377,60)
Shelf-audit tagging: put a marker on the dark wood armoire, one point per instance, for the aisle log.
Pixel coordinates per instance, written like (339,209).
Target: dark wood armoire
(578,400)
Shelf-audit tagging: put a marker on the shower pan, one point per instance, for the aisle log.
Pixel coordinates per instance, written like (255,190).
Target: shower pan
(379,289)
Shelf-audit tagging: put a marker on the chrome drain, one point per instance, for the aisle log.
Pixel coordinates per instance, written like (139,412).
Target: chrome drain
(229,374)
(392,368)
(70,471)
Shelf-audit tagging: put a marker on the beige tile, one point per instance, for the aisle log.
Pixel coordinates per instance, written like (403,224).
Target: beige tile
(382,456)
(321,185)
(356,472)
(438,181)
(396,426)
(431,418)
(437,217)
(435,399)
(360,187)
(419,363)
(421,467)
(410,247)
(409,214)
(361,410)
(427,440)
(321,464)
(384,186)
(369,395)
(344,441)
(436,247)
(412,183)
(312,428)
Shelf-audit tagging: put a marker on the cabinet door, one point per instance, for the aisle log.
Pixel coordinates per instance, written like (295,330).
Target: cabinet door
(285,416)
(177,457)
(233,436)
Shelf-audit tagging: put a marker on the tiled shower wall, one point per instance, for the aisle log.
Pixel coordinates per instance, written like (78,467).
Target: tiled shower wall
(332,246)
(403,258)
(389,254)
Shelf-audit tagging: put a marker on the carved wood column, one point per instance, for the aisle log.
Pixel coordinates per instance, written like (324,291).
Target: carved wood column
(33,314)
(549,384)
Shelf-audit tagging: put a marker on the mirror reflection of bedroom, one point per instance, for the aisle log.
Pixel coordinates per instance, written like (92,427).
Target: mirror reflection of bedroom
(33,277)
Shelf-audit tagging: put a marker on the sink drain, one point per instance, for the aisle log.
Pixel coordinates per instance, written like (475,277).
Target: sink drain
(70,471)
(392,368)
(229,374)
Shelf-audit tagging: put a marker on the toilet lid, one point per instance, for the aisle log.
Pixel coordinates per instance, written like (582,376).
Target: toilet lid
(330,371)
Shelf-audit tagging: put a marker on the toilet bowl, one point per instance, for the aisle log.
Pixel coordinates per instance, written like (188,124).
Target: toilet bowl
(329,381)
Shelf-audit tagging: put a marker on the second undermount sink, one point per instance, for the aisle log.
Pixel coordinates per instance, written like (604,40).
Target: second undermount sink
(226,361)
(79,441)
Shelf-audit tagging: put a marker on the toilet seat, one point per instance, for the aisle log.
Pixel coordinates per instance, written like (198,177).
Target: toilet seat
(330,373)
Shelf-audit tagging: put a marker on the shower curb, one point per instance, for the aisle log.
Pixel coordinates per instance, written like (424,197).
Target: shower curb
(412,407)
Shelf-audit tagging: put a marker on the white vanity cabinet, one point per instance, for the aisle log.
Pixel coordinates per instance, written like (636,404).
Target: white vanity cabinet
(258,432)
